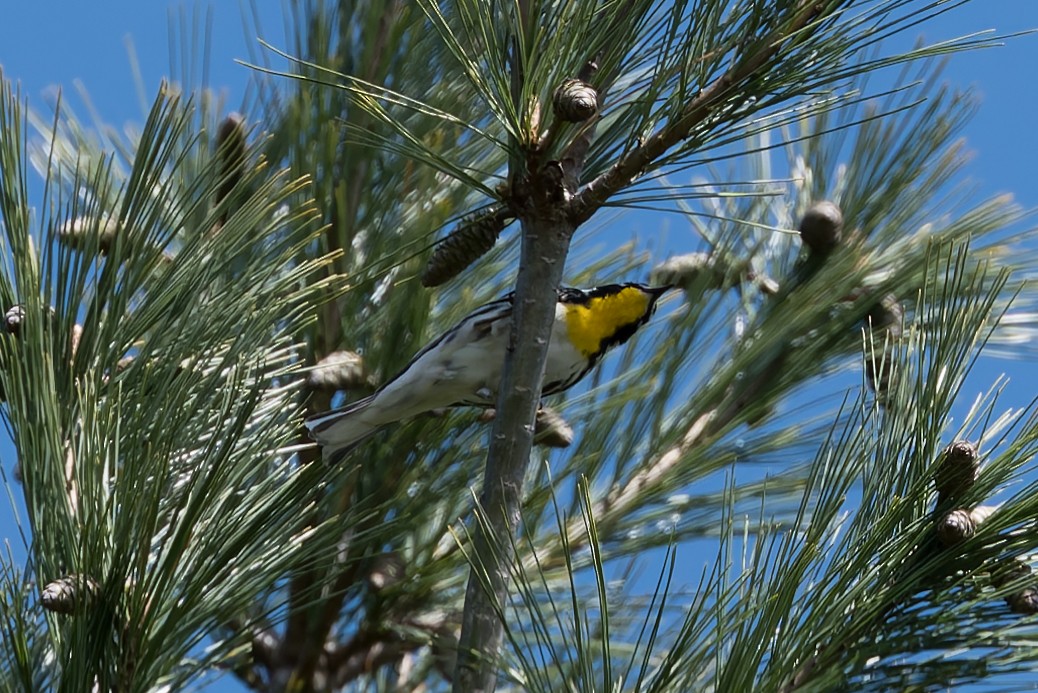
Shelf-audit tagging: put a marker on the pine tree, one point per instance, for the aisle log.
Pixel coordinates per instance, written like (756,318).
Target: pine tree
(186,294)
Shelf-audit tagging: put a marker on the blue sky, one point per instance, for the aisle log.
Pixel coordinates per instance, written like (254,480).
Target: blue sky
(45,45)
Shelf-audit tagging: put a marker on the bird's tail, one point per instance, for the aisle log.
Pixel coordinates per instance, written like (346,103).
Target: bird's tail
(338,430)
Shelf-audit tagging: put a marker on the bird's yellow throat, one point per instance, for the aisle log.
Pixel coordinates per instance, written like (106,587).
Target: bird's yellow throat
(601,317)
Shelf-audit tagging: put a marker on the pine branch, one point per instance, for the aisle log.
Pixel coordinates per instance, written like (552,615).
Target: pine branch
(688,402)
(701,107)
(545,244)
(481,613)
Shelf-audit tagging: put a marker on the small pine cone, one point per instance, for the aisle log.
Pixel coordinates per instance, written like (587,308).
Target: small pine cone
(471,238)
(961,524)
(339,370)
(551,430)
(574,101)
(67,594)
(888,314)
(955,527)
(1024,602)
(685,271)
(230,147)
(80,232)
(821,228)
(13,319)
(958,470)
(386,571)
(1010,571)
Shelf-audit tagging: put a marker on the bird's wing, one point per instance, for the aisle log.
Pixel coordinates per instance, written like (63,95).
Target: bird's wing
(478,322)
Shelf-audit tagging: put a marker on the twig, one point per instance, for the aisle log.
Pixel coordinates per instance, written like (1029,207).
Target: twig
(265,646)
(632,164)
(365,653)
(372,648)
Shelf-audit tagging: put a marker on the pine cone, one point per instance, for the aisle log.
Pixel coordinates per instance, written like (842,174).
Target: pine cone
(821,228)
(339,370)
(961,524)
(955,527)
(13,319)
(230,147)
(687,270)
(79,233)
(1024,602)
(574,101)
(551,430)
(471,239)
(67,594)
(958,470)
(888,314)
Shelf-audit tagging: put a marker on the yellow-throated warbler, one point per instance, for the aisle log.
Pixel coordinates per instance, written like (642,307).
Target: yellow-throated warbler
(463,365)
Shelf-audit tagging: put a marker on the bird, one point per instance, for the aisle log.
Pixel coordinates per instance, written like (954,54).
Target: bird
(463,366)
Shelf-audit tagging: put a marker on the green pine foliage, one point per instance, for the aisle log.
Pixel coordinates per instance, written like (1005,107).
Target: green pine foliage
(768,444)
